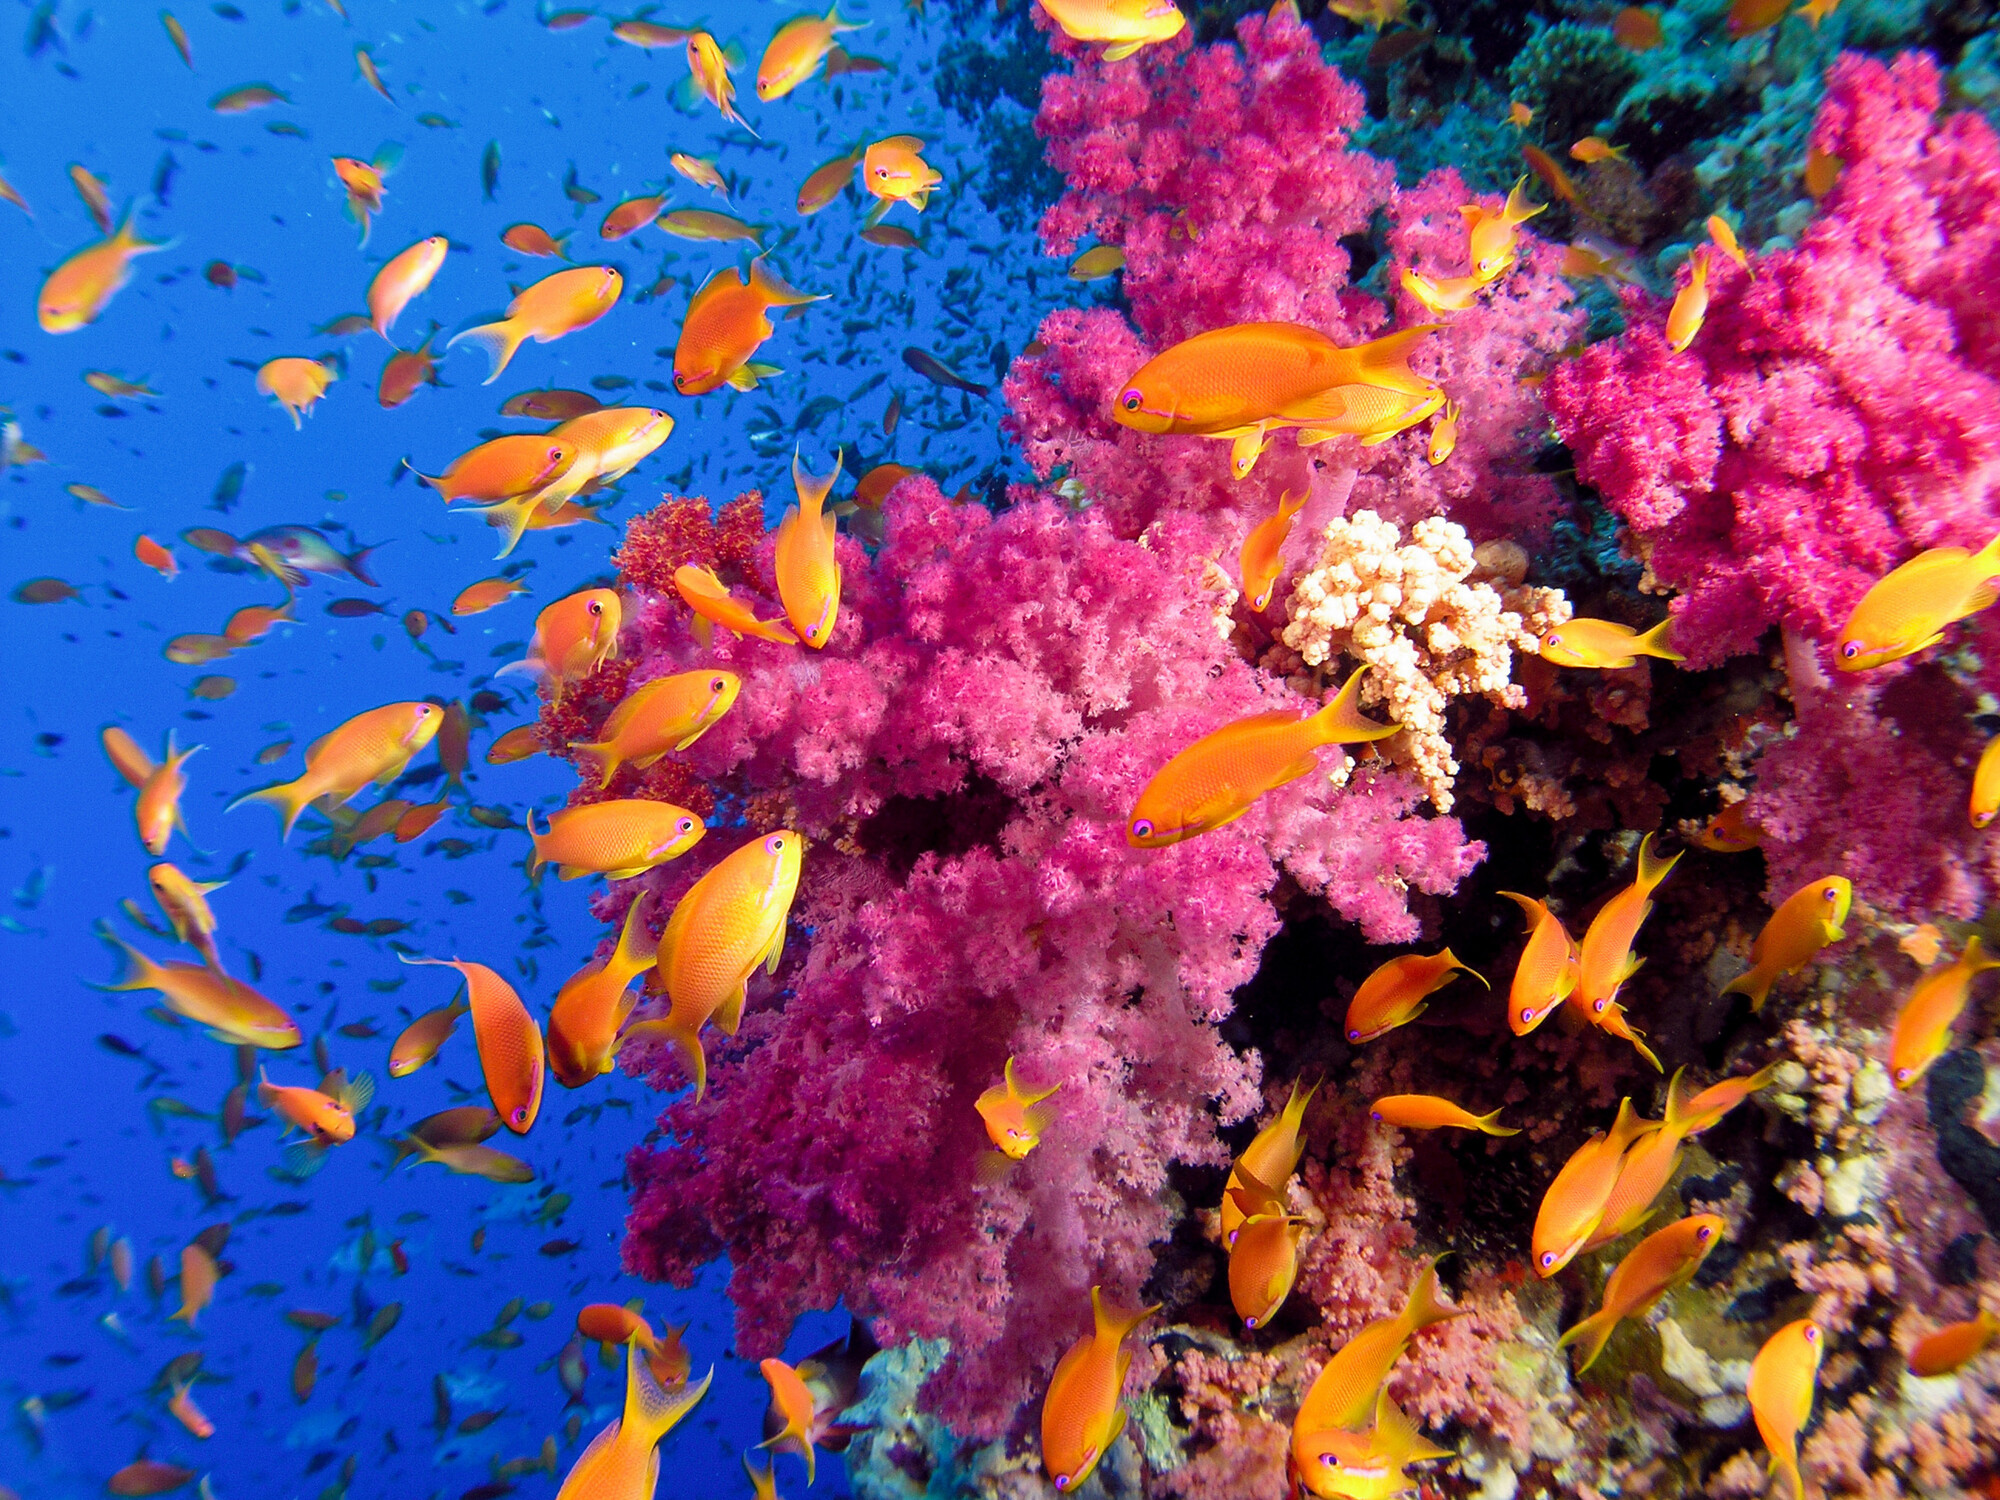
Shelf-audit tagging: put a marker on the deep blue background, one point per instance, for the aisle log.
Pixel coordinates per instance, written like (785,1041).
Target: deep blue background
(79,1145)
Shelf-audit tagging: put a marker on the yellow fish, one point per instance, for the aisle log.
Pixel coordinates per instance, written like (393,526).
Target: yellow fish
(1810,918)
(297,383)
(1444,294)
(1490,237)
(1218,778)
(808,571)
(1444,434)
(1428,1112)
(1923,1025)
(595,1002)
(1606,644)
(79,289)
(714,605)
(1014,1118)
(1944,1349)
(186,905)
(1271,1157)
(708,71)
(1573,1205)
(373,746)
(555,305)
(1782,1380)
(797,50)
(1594,148)
(668,713)
(1127,25)
(1685,317)
(617,839)
(623,1462)
(199,1274)
(1665,1259)
(231,1010)
(1264,1260)
(1724,239)
(1344,1392)
(1258,563)
(1985,801)
(1395,993)
(1548,970)
(1081,1414)
(1370,1464)
(1907,611)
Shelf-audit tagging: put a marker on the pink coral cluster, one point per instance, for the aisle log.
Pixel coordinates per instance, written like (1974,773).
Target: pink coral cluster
(962,757)
(1225,175)
(1838,412)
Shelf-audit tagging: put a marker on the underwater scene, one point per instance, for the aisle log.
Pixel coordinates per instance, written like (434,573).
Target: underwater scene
(957,749)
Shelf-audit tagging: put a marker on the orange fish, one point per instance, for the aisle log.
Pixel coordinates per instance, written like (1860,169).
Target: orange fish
(1519,115)
(190,1416)
(729,922)
(1923,1025)
(573,638)
(608,1323)
(1490,237)
(1343,1393)
(1127,25)
(795,1404)
(617,839)
(1548,969)
(78,290)
(1605,644)
(372,746)
(1605,960)
(726,323)
(1748,17)
(1444,434)
(709,67)
(1816,11)
(231,1011)
(595,1002)
(610,443)
(1081,1414)
(1258,563)
(1573,1205)
(199,1274)
(649,34)
(404,371)
(1218,778)
(631,216)
(297,383)
(1229,379)
(1985,801)
(1665,1259)
(1684,318)
(1724,239)
(521,463)
(1394,995)
(714,605)
(158,810)
(488,593)
(1552,174)
(1582,262)
(1810,918)
(1271,1158)
(328,1117)
(1729,831)
(185,903)
(1443,294)
(1370,1464)
(668,713)
(1594,148)
(699,170)
(1428,1112)
(1644,1171)
(531,239)
(826,183)
(421,1040)
(555,305)
(623,1462)
(1637,30)
(510,1043)
(1264,1260)
(893,172)
(156,557)
(1822,171)
(878,482)
(796,52)
(402,280)
(363,181)
(1014,1118)
(131,762)
(1944,1349)
(1718,1099)
(1782,1380)
(1909,610)
(808,571)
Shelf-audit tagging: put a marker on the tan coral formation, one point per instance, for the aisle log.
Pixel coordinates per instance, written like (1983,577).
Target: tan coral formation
(1432,618)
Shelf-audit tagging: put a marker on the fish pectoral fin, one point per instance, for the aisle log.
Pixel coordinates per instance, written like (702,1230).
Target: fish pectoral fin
(1118,52)
(742,378)
(730,1015)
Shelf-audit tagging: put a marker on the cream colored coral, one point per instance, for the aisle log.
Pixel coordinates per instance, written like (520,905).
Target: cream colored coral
(1426,626)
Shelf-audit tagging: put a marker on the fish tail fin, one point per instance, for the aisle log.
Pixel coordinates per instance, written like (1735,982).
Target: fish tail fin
(992,1168)
(1490,1124)
(139,973)
(1463,968)
(812,489)
(1988,558)
(1633,1036)
(535,864)
(684,1039)
(1753,982)
(833,19)
(1385,362)
(127,233)
(357,565)
(1653,869)
(512,516)
(1113,1321)
(435,481)
(1532,909)
(1290,505)
(1294,1112)
(1341,722)
(1516,209)
(607,757)
(1594,1332)
(288,797)
(1976,958)
(1423,1309)
(637,948)
(1654,642)
(497,341)
(776,290)
(651,1410)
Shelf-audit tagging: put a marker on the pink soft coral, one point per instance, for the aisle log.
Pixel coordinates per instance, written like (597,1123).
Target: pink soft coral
(962,757)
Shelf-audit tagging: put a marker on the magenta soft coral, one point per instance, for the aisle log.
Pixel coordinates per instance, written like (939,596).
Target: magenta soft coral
(962,758)
(1837,413)
(1226,176)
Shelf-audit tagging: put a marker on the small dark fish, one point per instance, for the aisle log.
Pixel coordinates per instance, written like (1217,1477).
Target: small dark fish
(486,701)
(1392,47)
(562,1247)
(441,1397)
(552,405)
(490,1491)
(436,122)
(361,1031)
(479,1421)
(935,371)
(148,1477)
(219,273)
(163,178)
(310,1321)
(305,1371)
(499,1338)
(214,1238)
(386,1317)
(354,609)
(611,382)
(891,237)
(306,910)
(229,488)
(489,170)
(208,539)
(491,817)
(110,1041)
(893,415)
(46,591)
(346,326)
(575,190)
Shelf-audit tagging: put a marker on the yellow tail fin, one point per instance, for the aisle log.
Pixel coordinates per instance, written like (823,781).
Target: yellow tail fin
(497,341)
(288,797)
(1654,641)
(1423,1308)
(651,1410)
(1384,362)
(1341,722)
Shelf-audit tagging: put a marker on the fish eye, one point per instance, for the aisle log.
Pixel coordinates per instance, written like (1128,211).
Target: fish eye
(1528,1015)
(1131,399)
(1249,1322)
(715,684)
(775,843)
(685,824)
(594,607)
(1833,893)
(1142,828)
(1812,1333)
(1062,1481)
(1553,640)
(1548,1258)
(1703,1233)
(520,1114)
(1850,649)
(1980,820)
(1597,1006)
(1353,1035)
(882,172)
(1902,1075)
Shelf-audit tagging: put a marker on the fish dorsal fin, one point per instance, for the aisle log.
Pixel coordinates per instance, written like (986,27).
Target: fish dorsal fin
(721,284)
(903,142)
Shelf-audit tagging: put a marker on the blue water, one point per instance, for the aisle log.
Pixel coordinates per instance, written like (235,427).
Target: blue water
(81,1145)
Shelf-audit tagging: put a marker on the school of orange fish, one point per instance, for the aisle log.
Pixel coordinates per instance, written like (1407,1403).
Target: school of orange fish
(1239,384)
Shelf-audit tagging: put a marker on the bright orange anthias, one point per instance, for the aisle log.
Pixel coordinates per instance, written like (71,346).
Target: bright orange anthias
(726,323)
(511,1052)
(808,571)
(552,307)
(596,1001)
(1082,1414)
(79,289)
(1396,993)
(1258,564)
(668,713)
(893,172)
(797,50)
(403,279)
(1606,959)
(573,637)
(708,71)
(1548,969)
